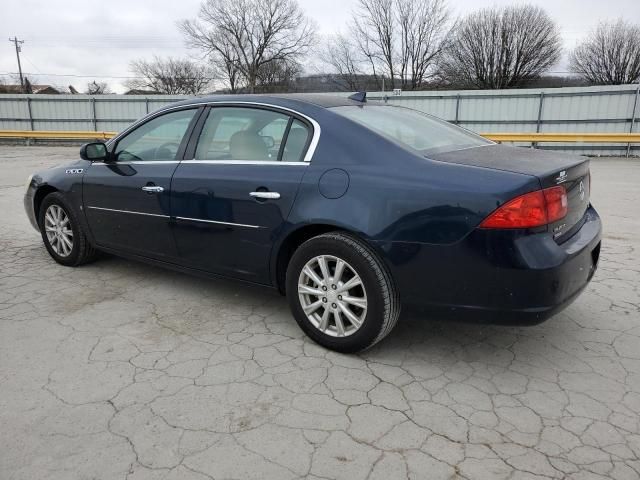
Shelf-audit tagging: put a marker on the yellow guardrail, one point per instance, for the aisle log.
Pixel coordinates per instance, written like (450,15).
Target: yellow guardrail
(57,134)
(496,137)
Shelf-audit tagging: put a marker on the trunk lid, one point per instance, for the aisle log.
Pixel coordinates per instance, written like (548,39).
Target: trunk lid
(551,168)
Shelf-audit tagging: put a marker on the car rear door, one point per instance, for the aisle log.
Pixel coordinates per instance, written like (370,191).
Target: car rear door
(127,199)
(232,198)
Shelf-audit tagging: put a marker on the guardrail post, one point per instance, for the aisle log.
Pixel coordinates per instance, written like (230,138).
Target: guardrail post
(94,118)
(539,120)
(28,140)
(146,104)
(633,118)
(457,120)
(30,114)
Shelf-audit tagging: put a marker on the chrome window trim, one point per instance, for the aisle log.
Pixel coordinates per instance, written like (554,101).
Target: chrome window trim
(128,211)
(207,162)
(218,222)
(245,162)
(310,150)
(149,117)
(141,162)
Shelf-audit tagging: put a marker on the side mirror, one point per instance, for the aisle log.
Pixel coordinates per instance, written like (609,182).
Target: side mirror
(94,151)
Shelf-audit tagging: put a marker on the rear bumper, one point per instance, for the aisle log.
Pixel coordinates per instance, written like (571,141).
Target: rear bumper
(503,277)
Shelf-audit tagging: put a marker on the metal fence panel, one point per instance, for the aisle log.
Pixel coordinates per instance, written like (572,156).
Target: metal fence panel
(580,109)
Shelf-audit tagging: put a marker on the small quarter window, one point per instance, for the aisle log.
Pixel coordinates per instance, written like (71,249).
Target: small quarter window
(296,144)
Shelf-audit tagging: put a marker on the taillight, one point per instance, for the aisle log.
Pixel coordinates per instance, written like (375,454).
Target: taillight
(557,203)
(532,209)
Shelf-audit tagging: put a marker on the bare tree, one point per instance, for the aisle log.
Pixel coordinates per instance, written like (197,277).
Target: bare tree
(278,76)
(97,88)
(501,48)
(401,39)
(227,62)
(170,76)
(247,35)
(342,56)
(424,26)
(373,26)
(27,86)
(610,55)
(29,82)
(221,53)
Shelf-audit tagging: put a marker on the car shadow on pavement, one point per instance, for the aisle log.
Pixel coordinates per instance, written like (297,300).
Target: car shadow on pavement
(203,306)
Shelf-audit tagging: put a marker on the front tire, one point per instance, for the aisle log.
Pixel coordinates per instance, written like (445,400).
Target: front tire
(340,293)
(62,233)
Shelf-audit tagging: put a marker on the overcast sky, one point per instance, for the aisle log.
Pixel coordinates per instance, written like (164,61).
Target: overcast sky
(91,39)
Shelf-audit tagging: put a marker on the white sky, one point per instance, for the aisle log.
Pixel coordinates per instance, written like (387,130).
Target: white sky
(99,38)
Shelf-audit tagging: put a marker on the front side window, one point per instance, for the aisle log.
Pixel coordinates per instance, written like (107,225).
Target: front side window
(250,134)
(158,139)
(412,128)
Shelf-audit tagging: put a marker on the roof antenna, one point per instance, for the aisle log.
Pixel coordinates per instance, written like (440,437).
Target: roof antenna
(359,97)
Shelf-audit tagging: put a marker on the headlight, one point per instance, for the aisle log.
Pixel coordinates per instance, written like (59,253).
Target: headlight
(26,186)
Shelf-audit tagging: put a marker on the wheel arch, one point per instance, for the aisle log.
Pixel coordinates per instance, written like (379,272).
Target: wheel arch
(284,250)
(39,196)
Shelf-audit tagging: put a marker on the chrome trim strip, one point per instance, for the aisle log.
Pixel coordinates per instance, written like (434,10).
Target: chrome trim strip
(177,218)
(144,162)
(312,145)
(218,223)
(128,211)
(246,162)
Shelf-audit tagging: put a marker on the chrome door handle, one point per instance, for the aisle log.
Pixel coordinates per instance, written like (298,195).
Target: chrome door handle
(152,189)
(265,195)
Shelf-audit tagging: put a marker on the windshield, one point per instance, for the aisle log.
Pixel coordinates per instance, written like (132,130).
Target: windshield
(412,128)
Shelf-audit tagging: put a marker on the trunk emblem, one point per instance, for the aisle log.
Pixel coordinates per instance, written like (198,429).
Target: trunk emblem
(562,176)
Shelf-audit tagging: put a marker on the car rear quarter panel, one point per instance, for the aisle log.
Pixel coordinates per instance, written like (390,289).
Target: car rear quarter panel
(395,195)
(418,214)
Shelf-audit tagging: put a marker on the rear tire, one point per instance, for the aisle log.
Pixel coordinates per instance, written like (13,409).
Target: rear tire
(62,233)
(341,293)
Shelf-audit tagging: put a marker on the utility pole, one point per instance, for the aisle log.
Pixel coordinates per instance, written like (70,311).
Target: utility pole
(17,43)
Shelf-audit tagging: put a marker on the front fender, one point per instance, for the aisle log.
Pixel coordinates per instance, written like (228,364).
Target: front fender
(66,179)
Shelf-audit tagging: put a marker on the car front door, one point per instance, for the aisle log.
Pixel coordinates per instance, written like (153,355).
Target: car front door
(230,201)
(127,199)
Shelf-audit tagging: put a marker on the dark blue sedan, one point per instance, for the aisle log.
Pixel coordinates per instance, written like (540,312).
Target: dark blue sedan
(352,209)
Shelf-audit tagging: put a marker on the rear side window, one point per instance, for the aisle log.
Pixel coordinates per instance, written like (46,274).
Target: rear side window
(412,128)
(251,134)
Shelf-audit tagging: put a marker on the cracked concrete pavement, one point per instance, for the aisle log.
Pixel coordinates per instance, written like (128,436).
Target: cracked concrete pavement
(120,370)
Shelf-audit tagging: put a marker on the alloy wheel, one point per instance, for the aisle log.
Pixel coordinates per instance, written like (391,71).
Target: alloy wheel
(332,296)
(58,230)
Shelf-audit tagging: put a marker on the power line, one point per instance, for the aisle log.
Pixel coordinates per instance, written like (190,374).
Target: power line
(130,77)
(31,63)
(73,75)
(111,41)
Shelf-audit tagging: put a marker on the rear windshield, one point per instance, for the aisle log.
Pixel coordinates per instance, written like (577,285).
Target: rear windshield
(412,128)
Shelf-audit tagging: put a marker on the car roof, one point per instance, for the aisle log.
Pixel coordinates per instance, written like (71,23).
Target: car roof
(319,100)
